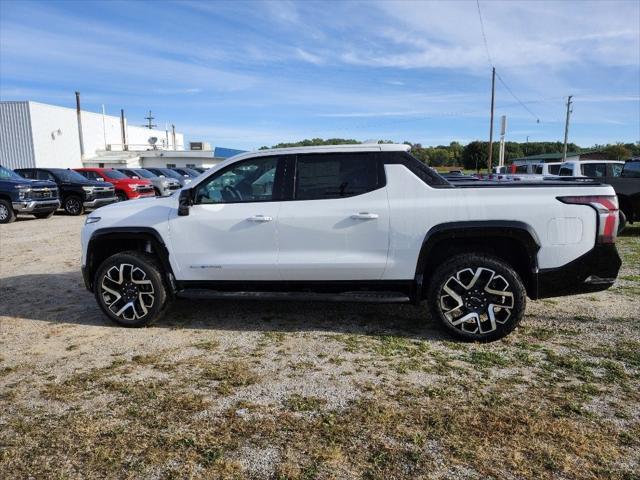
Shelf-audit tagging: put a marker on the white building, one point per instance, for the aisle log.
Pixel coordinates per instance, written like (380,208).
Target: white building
(35,134)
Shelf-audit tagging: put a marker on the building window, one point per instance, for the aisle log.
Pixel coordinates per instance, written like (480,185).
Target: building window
(171,165)
(101,165)
(190,165)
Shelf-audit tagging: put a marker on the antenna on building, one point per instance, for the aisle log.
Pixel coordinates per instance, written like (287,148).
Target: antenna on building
(150,118)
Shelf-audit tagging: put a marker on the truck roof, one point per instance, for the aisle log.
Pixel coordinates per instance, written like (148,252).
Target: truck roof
(359,147)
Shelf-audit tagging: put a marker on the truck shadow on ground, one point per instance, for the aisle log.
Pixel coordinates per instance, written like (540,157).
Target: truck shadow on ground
(61,298)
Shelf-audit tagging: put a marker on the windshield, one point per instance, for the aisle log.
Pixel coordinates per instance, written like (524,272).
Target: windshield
(6,174)
(144,173)
(116,175)
(631,170)
(170,173)
(192,172)
(68,175)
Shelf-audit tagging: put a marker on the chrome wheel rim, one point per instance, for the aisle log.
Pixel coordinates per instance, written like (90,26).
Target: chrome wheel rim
(73,206)
(4,212)
(476,301)
(127,292)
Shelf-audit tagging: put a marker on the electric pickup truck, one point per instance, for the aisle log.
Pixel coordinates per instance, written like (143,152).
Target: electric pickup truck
(363,223)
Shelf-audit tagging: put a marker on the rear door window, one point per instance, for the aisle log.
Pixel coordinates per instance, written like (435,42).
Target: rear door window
(594,169)
(566,171)
(336,175)
(616,169)
(554,169)
(521,169)
(539,169)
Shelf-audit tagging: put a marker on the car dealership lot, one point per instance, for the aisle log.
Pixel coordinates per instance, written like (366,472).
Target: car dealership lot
(303,390)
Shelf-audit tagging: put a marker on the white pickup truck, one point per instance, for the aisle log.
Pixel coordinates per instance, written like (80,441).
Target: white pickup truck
(354,223)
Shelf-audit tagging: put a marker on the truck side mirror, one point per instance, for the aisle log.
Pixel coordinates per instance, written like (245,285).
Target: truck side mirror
(184,202)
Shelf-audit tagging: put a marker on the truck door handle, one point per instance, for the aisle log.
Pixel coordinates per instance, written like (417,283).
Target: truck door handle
(364,216)
(260,218)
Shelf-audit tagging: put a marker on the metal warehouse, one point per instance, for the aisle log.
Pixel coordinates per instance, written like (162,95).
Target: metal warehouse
(34,134)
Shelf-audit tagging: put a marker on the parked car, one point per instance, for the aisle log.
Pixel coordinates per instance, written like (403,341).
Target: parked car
(169,173)
(591,168)
(627,187)
(126,188)
(619,175)
(21,195)
(199,169)
(77,193)
(162,186)
(187,172)
(547,168)
(354,223)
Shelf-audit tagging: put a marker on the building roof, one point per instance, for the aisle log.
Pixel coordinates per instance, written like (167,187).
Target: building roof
(222,152)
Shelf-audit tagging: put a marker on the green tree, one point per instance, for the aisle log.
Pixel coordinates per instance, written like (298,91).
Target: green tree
(617,152)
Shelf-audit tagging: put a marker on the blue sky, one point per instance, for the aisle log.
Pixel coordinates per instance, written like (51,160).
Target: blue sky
(246,74)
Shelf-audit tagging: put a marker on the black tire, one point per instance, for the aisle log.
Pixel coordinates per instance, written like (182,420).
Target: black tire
(73,205)
(474,278)
(121,196)
(622,222)
(7,215)
(148,300)
(44,214)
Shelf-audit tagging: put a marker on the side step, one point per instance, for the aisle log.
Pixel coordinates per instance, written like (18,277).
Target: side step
(355,297)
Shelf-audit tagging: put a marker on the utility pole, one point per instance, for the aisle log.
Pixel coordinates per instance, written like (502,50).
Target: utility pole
(149,125)
(566,129)
(79,115)
(493,96)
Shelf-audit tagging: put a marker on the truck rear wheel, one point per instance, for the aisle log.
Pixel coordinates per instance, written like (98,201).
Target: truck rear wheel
(7,215)
(130,290)
(477,297)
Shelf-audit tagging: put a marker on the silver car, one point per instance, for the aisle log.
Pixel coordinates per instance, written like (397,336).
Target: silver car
(163,186)
(169,173)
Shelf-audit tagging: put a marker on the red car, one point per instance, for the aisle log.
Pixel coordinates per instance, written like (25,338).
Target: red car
(126,188)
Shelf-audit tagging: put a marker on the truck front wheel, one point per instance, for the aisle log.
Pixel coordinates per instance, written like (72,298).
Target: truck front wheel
(73,205)
(477,297)
(7,215)
(130,290)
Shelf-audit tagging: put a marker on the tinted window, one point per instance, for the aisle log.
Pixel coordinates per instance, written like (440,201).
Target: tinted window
(566,171)
(6,174)
(116,175)
(521,169)
(30,174)
(42,175)
(249,181)
(594,169)
(538,169)
(141,172)
(631,170)
(554,169)
(320,177)
(70,176)
(616,169)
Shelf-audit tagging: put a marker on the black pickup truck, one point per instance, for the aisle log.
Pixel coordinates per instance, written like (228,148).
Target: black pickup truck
(627,187)
(77,192)
(20,195)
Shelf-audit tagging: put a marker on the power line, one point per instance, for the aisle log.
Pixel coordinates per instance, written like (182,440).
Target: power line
(517,99)
(486,47)
(484,36)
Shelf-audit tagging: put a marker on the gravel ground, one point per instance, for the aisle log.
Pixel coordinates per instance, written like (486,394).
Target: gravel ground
(264,379)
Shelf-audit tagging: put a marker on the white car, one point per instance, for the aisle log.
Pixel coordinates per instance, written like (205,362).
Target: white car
(591,168)
(354,223)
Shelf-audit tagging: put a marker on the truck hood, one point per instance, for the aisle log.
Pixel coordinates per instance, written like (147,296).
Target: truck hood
(31,183)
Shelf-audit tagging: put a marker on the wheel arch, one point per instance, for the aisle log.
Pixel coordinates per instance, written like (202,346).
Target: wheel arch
(105,242)
(512,241)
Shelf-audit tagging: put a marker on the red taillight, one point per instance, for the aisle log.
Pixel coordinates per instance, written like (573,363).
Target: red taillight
(607,208)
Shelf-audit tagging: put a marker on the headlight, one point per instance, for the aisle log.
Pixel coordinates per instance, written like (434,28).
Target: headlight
(91,220)
(23,191)
(88,189)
